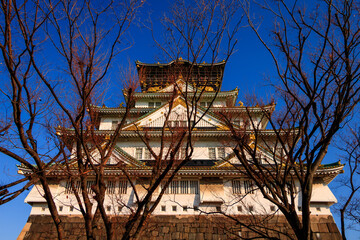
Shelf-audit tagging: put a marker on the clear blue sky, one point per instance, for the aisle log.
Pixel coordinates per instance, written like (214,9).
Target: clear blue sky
(246,69)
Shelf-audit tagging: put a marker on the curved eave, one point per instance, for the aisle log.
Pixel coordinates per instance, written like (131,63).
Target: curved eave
(167,95)
(138,63)
(327,174)
(237,109)
(195,133)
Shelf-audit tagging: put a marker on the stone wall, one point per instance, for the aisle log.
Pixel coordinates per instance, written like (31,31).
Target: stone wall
(181,227)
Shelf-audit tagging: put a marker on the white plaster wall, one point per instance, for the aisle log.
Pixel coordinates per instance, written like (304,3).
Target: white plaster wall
(233,204)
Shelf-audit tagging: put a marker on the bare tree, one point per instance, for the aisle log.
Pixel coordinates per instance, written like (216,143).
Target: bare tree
(205,30)
(315,51)
(85,38)
(349,183)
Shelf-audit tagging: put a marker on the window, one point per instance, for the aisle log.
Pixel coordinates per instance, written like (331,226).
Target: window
(120,208)
(183,187)
(205,104)
(43,209)
(71,208)
(89,184)
(174,208)
(236,186)
(163,208)
(251,208)
(272,208)
(239,208)
(212,154)
(68,187)
(196,208)
(114,125)
(185,208)
(237,122)
(318,209)
(218,208)
(154,104)
(249,187)
(177,123)
(108,208)
(110,187)
(221,152)
(60,208)
(147,154)
(138,153)
(122,187)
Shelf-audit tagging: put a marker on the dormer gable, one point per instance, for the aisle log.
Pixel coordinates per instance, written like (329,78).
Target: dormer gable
(178,117)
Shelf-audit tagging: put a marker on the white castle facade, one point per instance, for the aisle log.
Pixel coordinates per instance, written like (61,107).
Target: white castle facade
(208,183)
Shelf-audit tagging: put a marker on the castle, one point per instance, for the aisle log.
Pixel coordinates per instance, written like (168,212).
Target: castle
(210,183)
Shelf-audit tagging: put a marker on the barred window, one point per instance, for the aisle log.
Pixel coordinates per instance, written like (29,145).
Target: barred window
(147,154)
(183,187)
(221,152)
(114,125)
(212,153)
(138,153)
(88,186)
(249,187)
(68,188)
(110,187)
(122,187)
(236,186)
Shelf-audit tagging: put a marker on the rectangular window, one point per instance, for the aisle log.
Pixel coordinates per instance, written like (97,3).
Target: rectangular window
(163,208)
(174,208)
(249,187)
(114,125)
(183,152)
(147,154)
(60,208)
(89,184)
(183,187)
(221,152)
(183,123)
(212,153)
(120,208)
(237,122)
(251,208)
(122,187)
(110,187)
(236,186)
(185,208)
(69,189)
(138,153)
(108,208)
(71,208)
(218,208)
(239,208)
(272,208)
(154,104)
